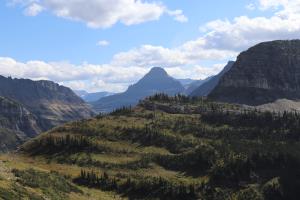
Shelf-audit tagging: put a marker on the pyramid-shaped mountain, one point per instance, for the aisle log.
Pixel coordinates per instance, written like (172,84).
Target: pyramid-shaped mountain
(156,81)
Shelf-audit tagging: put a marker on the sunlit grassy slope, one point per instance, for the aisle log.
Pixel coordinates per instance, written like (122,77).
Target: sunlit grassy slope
(165,148)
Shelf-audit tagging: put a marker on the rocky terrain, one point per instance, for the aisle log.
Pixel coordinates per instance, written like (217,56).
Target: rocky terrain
(51,103)
(16,124)
(263,74)
(31,107)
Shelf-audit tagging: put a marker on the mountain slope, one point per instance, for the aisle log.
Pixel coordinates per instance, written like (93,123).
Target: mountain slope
(51,103)
(175,148)
(205,88)
(156,81)
(265,73)
(16,124)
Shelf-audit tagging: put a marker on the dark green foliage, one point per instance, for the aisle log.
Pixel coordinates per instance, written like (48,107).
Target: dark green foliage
(52,184)
(197,161)
(221,151)
(151,187)
(161,97)
(122,111)
(255,124)
(69,143)
(18,192)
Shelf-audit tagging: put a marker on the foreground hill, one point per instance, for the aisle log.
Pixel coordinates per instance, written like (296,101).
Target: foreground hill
(167,148)
(265,73)
(156,81)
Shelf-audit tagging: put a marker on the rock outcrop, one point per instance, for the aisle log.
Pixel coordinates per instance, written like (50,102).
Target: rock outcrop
(16,124)
(265,73)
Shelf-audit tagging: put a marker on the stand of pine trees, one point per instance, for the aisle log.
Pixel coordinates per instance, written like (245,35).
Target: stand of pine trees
(144,188)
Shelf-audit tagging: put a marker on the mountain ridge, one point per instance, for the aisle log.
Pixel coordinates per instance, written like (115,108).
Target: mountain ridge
(31,107)
(263,74)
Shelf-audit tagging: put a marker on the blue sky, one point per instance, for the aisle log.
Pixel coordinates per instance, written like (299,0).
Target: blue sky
(50,38)
(97,45)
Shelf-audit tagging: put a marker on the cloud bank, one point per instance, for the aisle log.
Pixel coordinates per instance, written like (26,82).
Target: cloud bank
(102,13)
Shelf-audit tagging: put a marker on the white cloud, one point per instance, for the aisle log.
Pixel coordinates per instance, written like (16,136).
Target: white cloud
(33,9)
(187,54)
(102,13)
(95,85)
(250,6)
(178,15)
(267,4)
(243,32)
(103,43)
(195,72)
(94,78)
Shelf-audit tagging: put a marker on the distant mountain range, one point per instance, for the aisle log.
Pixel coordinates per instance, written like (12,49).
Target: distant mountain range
(30,107)
(91,97)
(186,82)
(206,87)
(156,81)
(266,76)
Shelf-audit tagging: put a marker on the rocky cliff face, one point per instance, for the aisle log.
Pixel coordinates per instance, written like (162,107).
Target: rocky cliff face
(51,103)
(16,124)
(16,117)
(265,73)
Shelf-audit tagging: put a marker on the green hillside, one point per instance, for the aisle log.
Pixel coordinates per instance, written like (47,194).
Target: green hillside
(166,148)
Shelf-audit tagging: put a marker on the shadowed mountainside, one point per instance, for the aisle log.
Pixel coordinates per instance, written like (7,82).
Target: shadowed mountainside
(51,103)
(263,74)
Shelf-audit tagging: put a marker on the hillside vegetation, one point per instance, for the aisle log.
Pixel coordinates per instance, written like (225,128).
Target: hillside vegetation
(166,148)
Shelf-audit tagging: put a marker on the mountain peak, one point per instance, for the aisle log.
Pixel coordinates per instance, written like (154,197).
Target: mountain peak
(157,71)
(155,81)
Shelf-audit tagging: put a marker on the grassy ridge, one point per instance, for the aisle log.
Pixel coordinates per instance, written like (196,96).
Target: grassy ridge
(177,148)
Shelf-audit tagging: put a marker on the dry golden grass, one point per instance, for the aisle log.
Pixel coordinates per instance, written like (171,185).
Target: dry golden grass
(22,162)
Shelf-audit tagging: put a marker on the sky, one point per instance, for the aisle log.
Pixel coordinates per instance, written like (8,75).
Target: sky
(107,45)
